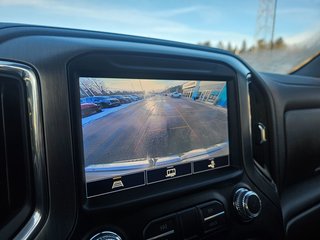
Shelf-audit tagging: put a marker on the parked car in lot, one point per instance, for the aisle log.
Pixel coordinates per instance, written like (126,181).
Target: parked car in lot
(128,99)
(121,98)
(88,109)
(103,101)
(132,98)
(114,102)
(139,97)
(106,102)
(176,95)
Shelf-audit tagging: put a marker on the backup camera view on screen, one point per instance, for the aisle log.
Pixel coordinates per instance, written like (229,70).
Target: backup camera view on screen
(141,131)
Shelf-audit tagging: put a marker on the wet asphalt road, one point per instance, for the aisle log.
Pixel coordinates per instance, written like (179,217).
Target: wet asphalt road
(156,127)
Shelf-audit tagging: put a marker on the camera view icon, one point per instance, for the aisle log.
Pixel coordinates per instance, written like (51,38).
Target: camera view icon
(171,172)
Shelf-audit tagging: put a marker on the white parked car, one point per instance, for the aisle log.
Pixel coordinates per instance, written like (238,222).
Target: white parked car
(175,95)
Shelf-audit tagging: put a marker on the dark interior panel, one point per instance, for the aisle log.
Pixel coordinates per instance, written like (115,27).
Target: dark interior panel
(295,102)
(301,197)
(305,225)
(303,141)
(310,69)
(283,94)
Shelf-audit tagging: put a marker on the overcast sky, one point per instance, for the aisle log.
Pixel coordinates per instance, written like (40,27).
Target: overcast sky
(184,20)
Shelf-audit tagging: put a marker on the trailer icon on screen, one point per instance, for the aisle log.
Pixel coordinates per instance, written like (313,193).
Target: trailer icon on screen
(171,172)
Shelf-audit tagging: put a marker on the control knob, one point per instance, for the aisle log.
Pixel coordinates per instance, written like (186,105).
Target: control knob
(247,204)
(106,235)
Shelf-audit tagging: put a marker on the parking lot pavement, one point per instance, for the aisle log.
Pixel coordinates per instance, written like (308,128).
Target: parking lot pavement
(156,127)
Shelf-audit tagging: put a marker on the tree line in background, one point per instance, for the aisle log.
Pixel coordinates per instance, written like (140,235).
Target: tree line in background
(261,44)
(90,92)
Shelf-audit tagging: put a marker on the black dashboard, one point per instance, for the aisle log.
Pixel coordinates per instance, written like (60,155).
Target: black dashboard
(264,186)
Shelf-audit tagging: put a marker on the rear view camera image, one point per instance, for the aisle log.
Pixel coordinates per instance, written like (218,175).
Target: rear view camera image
(136,125)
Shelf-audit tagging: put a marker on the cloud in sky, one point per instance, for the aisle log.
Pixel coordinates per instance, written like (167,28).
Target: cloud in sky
(204,21)
(178,11)
(157,24)
(21,2)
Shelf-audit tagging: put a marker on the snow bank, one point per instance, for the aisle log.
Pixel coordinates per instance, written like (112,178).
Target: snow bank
(105,112)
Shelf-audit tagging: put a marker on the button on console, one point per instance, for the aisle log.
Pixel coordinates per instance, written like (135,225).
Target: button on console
(214,222)
(106,235)
(210,209)
(247,204)
(213,215)
(161,229)
(189,223)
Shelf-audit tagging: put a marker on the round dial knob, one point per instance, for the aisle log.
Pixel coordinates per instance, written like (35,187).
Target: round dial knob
(247,204)
(106,235)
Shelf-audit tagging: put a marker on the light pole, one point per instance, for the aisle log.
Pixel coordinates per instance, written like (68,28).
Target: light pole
(273,22)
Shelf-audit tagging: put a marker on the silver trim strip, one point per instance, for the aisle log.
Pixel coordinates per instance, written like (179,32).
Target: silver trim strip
(168,179)
(27,74)
(105,193)
(213,216)
(248,78)
(212,169)
(162,235)
(30,226)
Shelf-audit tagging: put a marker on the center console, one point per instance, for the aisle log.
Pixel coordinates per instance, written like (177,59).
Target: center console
(164,147)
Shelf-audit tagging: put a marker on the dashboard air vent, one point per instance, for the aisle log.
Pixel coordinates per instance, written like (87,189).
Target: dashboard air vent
(261,132)
(15,169)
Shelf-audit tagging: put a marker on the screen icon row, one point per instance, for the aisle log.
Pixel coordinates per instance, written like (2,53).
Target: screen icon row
(155,175)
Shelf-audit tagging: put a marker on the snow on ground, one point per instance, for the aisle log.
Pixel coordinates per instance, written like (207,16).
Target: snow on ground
(105,112)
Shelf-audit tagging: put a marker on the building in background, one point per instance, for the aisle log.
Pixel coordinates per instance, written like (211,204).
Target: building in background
(205,91)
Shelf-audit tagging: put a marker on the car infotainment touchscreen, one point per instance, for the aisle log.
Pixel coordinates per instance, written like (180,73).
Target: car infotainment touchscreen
(143,131)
